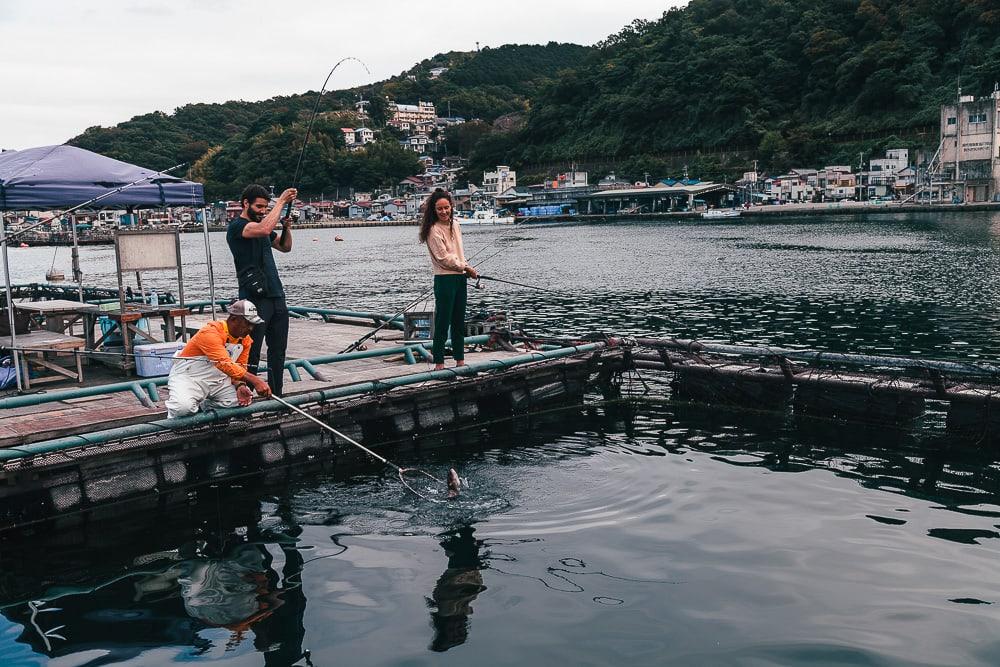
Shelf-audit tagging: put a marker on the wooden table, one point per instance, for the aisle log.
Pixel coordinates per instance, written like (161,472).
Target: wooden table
(126,322)
(59,315)
(35,349)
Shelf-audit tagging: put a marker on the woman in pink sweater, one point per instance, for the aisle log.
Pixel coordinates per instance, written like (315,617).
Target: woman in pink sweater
(444,241)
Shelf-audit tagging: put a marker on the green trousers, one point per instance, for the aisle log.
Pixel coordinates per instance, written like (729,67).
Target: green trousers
(449,313)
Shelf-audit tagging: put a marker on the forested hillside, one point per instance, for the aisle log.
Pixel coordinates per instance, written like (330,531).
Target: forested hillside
(729,72)
(784,79)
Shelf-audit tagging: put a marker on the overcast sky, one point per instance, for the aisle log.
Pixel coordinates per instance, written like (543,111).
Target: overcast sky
(69,65)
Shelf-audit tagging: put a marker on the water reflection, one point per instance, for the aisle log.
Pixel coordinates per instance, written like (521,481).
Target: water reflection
(120,590)
(456,589)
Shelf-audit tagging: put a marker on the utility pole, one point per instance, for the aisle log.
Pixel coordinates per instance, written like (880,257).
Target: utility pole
(958,136)
(861,169)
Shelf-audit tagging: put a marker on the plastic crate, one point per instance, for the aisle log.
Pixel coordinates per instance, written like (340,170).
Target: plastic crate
(156,359)
(418,325)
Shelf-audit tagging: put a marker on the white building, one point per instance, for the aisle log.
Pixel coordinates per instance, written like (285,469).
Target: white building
(348,135)
(438,71)
(791,187)
(895,160)
(495,182)
(363,135)
(418,143)
(570,179)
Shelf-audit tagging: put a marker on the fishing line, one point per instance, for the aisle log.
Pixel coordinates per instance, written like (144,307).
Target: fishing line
(399,470)
(511,282)
(312,119)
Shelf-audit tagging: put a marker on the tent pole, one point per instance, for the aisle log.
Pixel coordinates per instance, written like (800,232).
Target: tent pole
(10,300)
(77,273)
(208,259)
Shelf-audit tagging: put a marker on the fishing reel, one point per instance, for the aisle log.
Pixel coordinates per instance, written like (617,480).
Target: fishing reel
(479,284)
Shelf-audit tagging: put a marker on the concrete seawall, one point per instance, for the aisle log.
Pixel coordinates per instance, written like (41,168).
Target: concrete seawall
(784,210)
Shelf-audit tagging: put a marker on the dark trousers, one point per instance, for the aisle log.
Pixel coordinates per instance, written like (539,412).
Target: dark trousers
(274,330)
(450,293)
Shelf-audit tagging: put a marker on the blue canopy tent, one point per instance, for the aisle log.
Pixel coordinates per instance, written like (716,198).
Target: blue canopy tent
(66,177)
(52,177)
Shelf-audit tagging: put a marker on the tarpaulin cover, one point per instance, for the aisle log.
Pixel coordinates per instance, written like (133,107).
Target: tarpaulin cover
(65,176)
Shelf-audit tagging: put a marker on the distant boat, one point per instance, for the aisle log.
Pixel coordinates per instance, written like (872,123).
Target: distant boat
(714,213)
(486,217)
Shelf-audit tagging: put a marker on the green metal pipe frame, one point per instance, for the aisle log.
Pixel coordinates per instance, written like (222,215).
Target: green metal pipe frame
(303,312)
(293,367)
(816,356)
(210,416)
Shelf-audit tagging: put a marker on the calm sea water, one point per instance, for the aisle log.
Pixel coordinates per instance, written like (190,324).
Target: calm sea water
(651,532)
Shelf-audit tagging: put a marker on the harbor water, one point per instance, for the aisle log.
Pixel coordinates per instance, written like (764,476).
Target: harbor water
(646,530)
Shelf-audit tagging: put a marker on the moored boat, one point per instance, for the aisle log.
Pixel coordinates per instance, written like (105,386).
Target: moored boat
(486,217)
(715,213)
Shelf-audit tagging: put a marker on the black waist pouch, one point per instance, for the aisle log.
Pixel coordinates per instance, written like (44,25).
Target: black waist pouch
(252,280)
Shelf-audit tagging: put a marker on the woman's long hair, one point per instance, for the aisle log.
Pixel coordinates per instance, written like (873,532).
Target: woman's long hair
(430,212)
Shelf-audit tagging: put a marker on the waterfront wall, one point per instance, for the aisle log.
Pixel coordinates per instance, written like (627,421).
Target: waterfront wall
(783,210)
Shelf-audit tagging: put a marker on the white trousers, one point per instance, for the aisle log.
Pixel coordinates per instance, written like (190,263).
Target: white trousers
(195,383)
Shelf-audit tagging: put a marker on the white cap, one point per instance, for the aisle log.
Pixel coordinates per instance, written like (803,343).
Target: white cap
(246,310)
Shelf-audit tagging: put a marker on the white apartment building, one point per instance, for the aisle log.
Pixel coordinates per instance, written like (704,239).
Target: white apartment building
(363,135)
(495,182)
(895,160)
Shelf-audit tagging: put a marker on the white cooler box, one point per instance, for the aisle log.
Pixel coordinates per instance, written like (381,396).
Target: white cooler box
(156,359)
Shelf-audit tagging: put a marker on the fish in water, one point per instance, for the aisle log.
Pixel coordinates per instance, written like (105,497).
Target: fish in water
(454,484)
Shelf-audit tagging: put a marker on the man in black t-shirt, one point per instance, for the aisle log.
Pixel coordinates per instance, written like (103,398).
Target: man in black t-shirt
(251,238)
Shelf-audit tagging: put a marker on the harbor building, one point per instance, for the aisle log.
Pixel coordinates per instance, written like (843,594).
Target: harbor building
(969,153)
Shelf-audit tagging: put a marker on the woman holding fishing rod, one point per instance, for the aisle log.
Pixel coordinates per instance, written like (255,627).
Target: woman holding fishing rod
(451,273)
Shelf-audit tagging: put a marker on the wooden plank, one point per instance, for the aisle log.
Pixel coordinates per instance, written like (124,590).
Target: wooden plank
(57,307)
(49,340)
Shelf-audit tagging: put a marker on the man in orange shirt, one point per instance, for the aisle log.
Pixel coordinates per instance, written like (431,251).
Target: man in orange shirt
(211,370)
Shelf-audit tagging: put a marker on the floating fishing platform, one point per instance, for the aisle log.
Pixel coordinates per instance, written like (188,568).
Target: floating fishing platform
(851,387)
(68,450)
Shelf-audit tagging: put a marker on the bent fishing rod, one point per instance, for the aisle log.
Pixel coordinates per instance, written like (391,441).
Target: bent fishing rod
(312,119)
(93,201)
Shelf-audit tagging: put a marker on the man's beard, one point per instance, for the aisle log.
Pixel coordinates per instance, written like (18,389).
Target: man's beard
(254,216)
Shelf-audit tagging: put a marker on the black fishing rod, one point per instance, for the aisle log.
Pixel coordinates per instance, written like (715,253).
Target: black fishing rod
(356,344)
(96,199)
(511,282)
(312,119)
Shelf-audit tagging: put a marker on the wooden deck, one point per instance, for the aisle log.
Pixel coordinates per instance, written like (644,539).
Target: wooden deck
(307,339)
